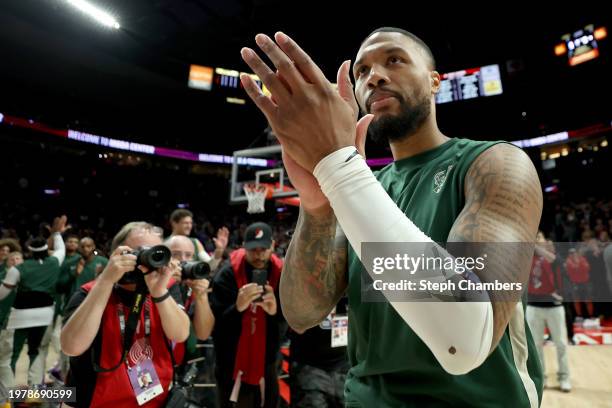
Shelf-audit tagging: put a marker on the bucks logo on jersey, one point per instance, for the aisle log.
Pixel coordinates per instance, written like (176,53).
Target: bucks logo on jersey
(440,178)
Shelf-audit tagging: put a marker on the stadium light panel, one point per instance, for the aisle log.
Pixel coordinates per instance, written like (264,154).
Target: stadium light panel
(96,13)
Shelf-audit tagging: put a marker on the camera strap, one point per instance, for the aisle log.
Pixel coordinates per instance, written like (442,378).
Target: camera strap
(127,330)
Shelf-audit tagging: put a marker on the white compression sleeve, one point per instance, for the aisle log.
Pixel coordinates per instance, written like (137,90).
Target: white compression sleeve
(59,249)
(459,334)
(12,278)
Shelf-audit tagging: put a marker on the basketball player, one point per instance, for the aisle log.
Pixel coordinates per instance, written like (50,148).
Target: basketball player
(438,189)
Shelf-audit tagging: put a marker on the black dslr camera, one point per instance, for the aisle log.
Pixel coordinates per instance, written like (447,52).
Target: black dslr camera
(194,270)
(153,258)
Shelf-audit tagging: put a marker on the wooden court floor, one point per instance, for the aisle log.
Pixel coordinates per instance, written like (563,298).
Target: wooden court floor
(591,376)
(590,370)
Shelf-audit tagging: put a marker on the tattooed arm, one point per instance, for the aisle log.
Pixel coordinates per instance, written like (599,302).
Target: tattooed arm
(314,273)
(503,204)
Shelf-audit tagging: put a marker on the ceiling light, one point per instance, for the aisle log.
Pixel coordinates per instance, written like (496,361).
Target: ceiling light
(101,16)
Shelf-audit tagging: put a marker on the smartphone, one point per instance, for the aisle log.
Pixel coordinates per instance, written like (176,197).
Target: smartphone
(260,277)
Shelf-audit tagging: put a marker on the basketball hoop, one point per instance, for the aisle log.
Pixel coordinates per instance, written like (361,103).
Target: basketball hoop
(256,196)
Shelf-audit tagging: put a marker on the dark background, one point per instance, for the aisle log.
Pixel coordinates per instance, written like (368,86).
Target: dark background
(62,68)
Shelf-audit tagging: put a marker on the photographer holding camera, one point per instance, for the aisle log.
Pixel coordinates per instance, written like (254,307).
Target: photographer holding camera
(248,322)
(181,221)
(194,276)
(122,322)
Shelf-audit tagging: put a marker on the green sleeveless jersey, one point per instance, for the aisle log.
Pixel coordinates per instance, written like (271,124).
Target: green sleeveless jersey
(390,365)
(36,276)
(196,252)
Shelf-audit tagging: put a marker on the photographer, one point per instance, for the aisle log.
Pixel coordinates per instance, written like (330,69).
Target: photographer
(102,326)
(196,296)
(181,221)
(195,287)
(248,322)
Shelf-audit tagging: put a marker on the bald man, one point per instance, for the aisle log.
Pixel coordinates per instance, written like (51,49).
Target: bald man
(201,315)
(181,221)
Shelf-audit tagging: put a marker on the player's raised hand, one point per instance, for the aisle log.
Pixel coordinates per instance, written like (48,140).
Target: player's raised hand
(309,117)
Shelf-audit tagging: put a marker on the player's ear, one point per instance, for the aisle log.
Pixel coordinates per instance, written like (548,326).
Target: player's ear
(434,81)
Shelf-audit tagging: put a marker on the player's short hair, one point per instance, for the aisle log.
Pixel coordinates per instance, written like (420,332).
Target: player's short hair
(421,44)
(178,214)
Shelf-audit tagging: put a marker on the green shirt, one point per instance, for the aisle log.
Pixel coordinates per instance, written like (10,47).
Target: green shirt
(65,282)
(39,276)
(69,282)
(90,271)
(390,365)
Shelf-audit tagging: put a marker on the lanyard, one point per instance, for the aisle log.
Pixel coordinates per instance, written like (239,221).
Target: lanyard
(132,325)
(147,322)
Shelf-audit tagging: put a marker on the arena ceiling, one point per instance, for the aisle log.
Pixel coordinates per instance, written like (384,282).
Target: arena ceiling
(58,67)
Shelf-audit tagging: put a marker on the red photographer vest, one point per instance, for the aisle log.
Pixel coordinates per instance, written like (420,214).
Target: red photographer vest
(113,388)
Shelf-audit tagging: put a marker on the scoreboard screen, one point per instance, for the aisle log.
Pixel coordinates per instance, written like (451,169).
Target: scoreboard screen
(581,46)
(200,77)
(469,84)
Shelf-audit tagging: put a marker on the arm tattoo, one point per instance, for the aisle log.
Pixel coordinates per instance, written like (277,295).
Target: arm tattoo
(503,204)
(314,273)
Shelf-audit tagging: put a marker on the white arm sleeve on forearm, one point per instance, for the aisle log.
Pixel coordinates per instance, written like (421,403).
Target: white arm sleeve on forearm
(11,278)
(459,334)
(59,247)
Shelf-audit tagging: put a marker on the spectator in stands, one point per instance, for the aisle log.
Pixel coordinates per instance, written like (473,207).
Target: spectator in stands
(99,325)
(319,364)
(578,268)
(545,308)
(248,322)
(181,221)
(6,336)
(592,249)
(14,259)
(4,252)
(599,226)
(33,309)
(71,241)
(607,257)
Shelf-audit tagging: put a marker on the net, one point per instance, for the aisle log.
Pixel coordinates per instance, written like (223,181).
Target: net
(256,196)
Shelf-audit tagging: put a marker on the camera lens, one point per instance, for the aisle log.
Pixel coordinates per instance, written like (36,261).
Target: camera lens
(195,270)
(154,257)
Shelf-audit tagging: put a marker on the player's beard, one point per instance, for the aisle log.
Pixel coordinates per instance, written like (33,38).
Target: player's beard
(387,128)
